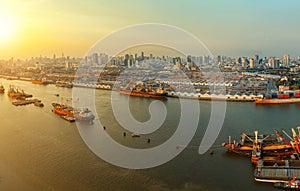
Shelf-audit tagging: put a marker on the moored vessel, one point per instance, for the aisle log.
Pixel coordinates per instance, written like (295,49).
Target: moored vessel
(142,90)
(81,114)
(277,101)
(2,90)
(293,184)
(15,92)
(261,146)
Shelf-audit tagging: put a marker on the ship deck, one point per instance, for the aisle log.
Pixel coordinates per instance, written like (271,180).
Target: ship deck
(269,174)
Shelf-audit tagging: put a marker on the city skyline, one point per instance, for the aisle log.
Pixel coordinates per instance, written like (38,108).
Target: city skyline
(34,28)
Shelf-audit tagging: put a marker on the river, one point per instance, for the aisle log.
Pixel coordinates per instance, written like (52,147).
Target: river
(41,151)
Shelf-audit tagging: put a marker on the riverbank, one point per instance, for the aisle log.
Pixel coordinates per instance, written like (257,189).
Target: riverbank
(174,94)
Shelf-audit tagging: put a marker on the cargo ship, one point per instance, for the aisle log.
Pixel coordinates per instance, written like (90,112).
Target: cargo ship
(277,171)
(39,81)
(283,96)
(64,85)
(15,92)
(277,101)
(79,114)
(61,109)
(142,90)
(272,146)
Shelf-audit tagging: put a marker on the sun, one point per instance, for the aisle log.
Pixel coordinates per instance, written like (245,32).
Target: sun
(7,28)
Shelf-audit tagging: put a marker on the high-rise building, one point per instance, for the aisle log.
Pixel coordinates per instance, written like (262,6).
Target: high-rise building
(286,60)
(143,57)
(126,60)
(251,63)
(95,58)
(271,62)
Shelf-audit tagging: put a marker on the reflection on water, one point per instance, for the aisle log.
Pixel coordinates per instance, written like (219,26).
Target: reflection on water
(46,153)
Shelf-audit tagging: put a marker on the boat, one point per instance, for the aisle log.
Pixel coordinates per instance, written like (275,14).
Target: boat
(61,109)
(277,100)
(2,90)
(283,96)
(38,104)
(64,84)
(41,81)
(15,92)
(293,184)
(37,82)
(135,135)
(23,101)
(277,170)
(142,90)
(81,114)
(259,146)
(68,118)
(142,94)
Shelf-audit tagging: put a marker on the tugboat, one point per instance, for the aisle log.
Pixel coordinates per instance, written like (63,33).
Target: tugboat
(68,118)
(293,184)
(2,90)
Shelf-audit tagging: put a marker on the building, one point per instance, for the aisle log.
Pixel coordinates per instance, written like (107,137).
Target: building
(95,59)
(256,57)
(286,60)
(251,63)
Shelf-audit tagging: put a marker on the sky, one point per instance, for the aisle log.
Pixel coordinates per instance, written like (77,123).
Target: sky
(30,28)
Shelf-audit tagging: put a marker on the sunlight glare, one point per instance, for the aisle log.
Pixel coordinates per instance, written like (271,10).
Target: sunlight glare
(7,28)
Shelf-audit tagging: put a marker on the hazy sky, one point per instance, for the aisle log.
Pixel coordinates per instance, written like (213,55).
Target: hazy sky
(227,27)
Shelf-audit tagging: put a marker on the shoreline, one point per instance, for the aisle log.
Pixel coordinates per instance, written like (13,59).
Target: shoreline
(172,94)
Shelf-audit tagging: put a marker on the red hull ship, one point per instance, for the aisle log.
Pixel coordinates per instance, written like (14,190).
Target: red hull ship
(277,101)
(142,90)
(79,114)
(146,94)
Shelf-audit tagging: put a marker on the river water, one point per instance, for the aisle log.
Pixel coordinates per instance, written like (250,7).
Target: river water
(41,151)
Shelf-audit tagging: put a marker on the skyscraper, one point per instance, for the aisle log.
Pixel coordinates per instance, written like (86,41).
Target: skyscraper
(286,60)
(251,63)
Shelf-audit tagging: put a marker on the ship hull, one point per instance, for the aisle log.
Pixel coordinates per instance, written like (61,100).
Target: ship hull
(147,95)
(38,82)
(277,101)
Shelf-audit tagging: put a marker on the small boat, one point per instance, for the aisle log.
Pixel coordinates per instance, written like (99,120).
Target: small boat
(84,114)
(293,184)
(135,135)
(68,118)
(39,104)
(2,90)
